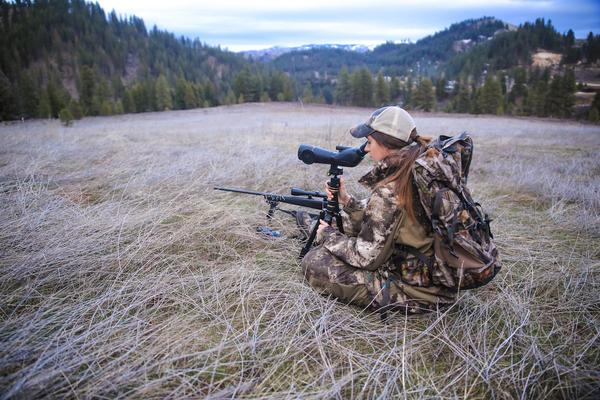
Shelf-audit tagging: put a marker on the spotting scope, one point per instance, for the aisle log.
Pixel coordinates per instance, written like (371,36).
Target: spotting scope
(344,157)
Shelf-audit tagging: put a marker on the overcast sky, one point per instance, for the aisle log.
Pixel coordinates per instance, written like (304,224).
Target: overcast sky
(246,24)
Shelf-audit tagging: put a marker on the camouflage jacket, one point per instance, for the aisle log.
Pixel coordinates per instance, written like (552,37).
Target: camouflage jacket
(375,225)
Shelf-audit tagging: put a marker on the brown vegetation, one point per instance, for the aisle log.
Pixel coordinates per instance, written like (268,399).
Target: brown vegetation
(123,274)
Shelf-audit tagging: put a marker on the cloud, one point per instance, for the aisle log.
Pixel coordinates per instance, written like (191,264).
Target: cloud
(232,23)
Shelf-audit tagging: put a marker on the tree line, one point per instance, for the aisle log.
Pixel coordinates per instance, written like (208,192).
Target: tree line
(68,54)
(68,58)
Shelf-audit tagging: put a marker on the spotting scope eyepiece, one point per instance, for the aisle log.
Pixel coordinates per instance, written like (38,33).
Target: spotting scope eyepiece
(344,157)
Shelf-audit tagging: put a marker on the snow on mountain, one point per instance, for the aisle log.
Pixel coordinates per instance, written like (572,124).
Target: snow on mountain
(274,52)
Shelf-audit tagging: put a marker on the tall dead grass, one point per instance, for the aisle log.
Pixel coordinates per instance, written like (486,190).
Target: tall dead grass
(123,274)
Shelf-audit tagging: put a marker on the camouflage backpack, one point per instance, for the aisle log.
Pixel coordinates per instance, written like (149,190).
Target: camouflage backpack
(465,253)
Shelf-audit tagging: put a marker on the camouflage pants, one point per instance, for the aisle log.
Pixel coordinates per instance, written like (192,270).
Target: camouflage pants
(370,289)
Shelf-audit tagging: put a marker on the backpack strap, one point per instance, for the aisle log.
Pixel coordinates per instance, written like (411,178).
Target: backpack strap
(427,260)
(385,305)
(448,238)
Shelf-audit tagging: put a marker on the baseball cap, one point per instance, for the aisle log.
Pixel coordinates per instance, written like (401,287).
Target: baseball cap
(391,120)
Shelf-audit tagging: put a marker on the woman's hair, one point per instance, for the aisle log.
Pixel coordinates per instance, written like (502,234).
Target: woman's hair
(402,162)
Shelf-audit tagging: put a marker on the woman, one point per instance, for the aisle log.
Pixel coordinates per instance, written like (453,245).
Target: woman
(383,259)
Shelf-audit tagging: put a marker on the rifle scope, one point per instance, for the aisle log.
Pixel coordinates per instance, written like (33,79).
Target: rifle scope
(344,157)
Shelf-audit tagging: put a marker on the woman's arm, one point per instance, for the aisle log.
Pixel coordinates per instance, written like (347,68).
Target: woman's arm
(353,210)
(352,216)
(374,242)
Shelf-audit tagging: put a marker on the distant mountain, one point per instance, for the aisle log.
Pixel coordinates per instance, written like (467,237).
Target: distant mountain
(426,56)
(273,52)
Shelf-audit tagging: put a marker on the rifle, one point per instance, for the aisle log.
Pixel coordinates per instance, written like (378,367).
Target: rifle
(330,208)
(274,199)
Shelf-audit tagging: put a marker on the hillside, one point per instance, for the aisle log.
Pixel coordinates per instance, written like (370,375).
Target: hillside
(476,66)
(58,51)
(469,47)
(425,56)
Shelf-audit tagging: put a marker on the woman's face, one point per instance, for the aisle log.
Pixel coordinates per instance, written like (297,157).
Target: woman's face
(377,151)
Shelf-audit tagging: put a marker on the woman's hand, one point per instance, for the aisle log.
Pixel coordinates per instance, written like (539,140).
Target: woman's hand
(343,197)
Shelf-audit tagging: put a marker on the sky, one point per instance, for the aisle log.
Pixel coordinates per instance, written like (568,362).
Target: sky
(257,24)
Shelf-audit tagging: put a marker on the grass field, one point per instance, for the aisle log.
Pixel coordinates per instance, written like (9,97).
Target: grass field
(124,275)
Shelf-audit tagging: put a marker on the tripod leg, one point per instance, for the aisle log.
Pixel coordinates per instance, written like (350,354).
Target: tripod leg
(340,224)
(311,238)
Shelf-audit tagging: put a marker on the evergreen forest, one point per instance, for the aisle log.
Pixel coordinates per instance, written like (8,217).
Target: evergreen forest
(69,59)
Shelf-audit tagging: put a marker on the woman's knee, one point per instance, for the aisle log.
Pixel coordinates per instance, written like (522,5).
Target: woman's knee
(315,264)
(330,276)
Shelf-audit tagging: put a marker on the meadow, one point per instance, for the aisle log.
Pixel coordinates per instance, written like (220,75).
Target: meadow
(123,274)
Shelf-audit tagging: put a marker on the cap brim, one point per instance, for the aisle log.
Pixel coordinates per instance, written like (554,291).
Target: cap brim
(362,130)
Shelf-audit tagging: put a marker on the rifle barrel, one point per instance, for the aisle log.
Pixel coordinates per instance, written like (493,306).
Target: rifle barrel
(240,191)
(278,198)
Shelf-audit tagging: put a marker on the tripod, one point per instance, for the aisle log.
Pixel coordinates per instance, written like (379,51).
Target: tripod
(331,208)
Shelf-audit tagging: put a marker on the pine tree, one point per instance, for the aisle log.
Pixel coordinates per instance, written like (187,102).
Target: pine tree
(128,103)
(382,91)
(408,92)
(66,117)
(327,95)
(163,94)
(87,82)
(140,97)
(7,100)
(150,88)
(362,88)
(519,90)
(118,107)
(395,89)
(307,94)
(199,94)
(539,98)
(247,85)
(185,95)
(596,101)
(106,108)
(555,100)
(425,95)
(179,97)
(491,100)
(230,97)
(209,93)
(440,89)
(591,48)
(288,92)
(569,89)
(462,101)
(594,115)
(343,93)
(190,100)
(240,85)
(57,96)
(276,85)
(572,54)
(75,109)
(476,99)
(29,95)
(44,110)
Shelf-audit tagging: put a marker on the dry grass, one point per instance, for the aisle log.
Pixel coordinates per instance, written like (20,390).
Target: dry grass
(124,275)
